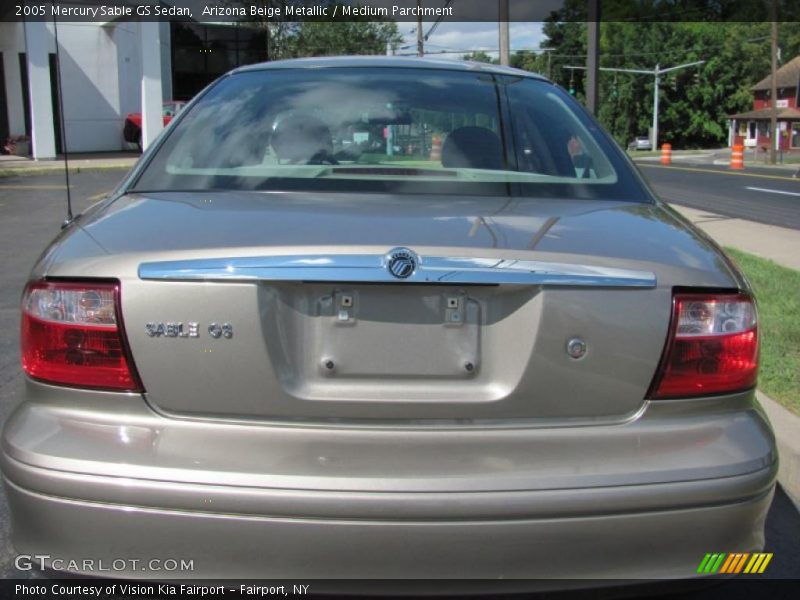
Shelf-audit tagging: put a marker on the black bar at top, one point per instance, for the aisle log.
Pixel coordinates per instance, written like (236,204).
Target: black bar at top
(394,10)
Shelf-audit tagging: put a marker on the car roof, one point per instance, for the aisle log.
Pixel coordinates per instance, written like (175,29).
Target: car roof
(399,62)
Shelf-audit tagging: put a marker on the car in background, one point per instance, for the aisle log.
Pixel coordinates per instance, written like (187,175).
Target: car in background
(132,131)
(282,349)
(642,142)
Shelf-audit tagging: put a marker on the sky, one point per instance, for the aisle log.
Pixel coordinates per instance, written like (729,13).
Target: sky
(471,36)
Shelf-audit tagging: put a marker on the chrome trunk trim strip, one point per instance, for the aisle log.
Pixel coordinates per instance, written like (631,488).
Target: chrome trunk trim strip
(372,268)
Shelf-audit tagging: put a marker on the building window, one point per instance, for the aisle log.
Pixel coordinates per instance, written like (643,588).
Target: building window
(795,135)
(201,53)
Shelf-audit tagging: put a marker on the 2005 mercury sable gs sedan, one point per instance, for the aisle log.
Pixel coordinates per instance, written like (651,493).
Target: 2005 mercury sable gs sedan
(375,317)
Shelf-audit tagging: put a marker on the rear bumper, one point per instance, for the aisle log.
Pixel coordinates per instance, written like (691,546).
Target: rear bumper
(106,478)
(664,544)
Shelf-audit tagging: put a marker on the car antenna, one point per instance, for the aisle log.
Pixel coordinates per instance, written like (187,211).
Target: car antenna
(64,150)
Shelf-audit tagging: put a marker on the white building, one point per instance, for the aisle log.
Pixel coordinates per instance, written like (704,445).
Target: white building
(107,71)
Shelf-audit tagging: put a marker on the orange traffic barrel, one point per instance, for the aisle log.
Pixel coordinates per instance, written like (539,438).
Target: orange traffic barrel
(436,148)
(666,154)
(737,157)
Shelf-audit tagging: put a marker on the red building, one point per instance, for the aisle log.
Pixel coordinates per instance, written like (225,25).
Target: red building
(752,128)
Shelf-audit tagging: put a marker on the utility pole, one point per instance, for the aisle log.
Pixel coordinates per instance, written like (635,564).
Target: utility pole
(549,61)
(656,74)
(420,35)
(773,125)
(505,39)
(654,131)
(593,55)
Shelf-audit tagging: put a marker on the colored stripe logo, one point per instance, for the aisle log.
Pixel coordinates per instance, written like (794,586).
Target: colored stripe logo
(734,563)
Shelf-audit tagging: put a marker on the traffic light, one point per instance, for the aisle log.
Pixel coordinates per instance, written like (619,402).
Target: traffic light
(571,91)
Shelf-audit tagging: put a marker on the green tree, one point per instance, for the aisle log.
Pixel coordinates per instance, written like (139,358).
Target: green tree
(320,37)
(480,56)
(529,61)
(565,32)
(694,102)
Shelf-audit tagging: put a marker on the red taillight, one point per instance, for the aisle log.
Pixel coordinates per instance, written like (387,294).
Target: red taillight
(72,335)
(712,349)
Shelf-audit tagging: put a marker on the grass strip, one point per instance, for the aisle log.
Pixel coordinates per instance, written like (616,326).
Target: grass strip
(777,291)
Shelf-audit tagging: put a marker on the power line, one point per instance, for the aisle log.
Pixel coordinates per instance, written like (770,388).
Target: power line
(437,22)
(683,51)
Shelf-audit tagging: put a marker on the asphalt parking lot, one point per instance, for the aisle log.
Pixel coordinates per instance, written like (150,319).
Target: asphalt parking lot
(31,210)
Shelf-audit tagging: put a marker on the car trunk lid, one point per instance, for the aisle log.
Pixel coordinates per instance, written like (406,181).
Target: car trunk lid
(231,312)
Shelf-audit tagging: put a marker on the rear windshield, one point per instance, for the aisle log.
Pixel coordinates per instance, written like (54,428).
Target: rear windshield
(388,130)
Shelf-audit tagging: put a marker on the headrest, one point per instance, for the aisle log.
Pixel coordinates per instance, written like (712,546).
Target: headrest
(299,139)
(473,147)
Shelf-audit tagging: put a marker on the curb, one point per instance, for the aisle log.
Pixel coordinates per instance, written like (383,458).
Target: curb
(723,162)
(786,425)
(22,171)
(675,157)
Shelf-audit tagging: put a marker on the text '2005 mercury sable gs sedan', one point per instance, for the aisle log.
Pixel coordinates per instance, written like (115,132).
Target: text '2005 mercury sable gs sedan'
(373,317)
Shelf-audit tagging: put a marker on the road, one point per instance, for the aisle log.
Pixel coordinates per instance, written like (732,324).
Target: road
(32,208)
(757,194)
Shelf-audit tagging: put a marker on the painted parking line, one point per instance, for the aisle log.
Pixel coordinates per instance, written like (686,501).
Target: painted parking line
(768,191)
(93,198)
(32,187)
(718,172)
